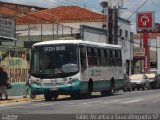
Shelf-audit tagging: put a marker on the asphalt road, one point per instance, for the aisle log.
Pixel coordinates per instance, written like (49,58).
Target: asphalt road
(136,102)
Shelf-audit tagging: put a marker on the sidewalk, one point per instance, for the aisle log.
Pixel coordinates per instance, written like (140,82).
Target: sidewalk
(14,99)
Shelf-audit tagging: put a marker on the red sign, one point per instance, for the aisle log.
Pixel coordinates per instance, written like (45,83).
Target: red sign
(145,20)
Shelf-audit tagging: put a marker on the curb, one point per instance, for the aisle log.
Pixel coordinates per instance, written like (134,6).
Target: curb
(38,98)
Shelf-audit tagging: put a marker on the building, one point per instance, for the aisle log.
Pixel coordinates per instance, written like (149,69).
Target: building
(67,21)
(11,10)
(125,40)
(50,24)
(153,47)
(12,58)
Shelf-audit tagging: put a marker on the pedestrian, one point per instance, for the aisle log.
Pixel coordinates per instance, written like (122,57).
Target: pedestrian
(3,83)
(28,87)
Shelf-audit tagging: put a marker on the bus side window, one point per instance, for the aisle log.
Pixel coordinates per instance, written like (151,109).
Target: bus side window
(107,57)
(119,58)
(110,58)
(99,56)
(93,56)
(96,57)
(103,56)
(113,58)
(83,56)
(116,58)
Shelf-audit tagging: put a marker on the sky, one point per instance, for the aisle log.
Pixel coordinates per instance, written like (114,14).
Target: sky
(130,7)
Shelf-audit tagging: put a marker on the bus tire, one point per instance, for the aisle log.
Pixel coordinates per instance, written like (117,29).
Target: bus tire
(111,91)
(47,97)
(104,93)
(75,96)
(55,97)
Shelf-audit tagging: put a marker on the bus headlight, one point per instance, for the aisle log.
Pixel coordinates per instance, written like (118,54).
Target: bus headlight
(36,81)
(72,80)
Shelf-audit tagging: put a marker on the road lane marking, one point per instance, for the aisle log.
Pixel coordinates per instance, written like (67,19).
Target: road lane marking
(91,102)
(42,104)
(112,101)
(132,101)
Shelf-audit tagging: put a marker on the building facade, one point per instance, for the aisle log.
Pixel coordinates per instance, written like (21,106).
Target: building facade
(67,21)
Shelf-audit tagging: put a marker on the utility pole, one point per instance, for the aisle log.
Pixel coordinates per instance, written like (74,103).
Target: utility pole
(110,26)
(113,7)
(104,4)
(115,25)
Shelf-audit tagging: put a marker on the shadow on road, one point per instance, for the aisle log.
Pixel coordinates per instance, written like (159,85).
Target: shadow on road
(68,98)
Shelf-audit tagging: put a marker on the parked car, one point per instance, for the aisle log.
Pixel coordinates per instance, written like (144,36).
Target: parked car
(140,81)
(157,82)
(154,80)
(152,77)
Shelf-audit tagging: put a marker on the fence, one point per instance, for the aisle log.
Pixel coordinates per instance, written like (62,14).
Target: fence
(14,62)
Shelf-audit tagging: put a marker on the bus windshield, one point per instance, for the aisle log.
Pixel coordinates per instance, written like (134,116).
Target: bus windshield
(54,61)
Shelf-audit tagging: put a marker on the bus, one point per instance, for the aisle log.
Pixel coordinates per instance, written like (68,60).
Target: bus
(76,68)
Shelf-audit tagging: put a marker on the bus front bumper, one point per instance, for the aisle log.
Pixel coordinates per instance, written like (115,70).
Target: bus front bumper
(59,89)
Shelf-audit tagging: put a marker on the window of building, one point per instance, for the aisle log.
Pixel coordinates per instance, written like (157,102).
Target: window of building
(120,32)
(126,34)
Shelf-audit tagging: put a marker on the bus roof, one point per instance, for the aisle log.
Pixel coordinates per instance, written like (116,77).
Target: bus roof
(52,42)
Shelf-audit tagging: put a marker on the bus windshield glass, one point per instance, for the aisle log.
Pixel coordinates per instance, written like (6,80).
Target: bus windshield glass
(54,60)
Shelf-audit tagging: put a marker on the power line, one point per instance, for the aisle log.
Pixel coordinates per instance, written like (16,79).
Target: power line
(150,46)
(137,9)
(43,19)
(64,3)
(81,29)
(91,4)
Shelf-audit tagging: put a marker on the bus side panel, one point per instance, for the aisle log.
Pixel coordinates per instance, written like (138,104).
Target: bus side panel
(100,85)
(101,77)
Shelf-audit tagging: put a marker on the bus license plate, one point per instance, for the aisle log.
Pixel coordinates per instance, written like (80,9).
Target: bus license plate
(53,89)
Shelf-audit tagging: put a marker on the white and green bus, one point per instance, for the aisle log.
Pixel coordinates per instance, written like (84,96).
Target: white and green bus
(76,68)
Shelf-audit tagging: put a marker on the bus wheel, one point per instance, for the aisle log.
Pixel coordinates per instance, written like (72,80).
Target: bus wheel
(75,96)
(104,93)
(47,97)
(55,97)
